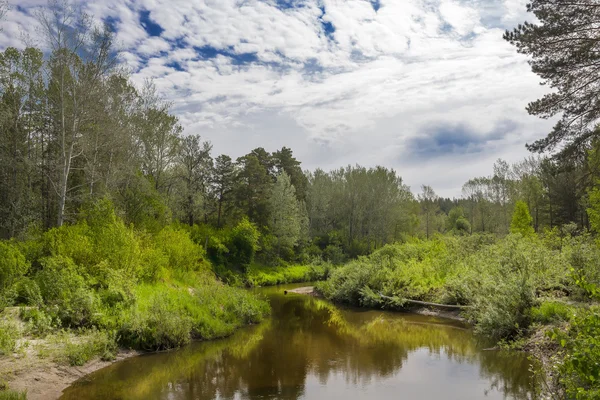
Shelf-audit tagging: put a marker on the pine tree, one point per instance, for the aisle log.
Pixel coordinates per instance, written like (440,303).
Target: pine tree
(521,220)
(564,53)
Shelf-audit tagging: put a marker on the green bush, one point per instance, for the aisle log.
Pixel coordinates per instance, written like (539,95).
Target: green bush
(579,370)
(28,293)
(552,311)
(38,322)
(243,244)
(65,292)
(95,344)
(9,334)
(12,264)
(182,252)
(270,276)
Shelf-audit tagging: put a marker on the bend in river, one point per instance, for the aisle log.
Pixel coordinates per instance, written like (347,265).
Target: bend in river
(312,349)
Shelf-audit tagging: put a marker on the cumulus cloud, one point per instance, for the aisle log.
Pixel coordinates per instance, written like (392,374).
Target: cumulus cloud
(417,85)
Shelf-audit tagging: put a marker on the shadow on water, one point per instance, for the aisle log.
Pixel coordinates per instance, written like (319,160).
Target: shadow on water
(312,349)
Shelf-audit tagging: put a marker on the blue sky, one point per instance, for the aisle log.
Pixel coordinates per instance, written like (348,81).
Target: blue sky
(427,87)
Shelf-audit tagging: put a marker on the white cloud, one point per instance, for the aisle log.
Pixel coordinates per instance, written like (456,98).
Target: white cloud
(358,93)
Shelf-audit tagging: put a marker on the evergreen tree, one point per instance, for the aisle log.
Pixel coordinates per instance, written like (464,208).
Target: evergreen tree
(521,220)
(563,50)
(223,183)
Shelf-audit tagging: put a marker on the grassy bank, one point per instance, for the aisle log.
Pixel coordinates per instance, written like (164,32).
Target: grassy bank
(511,289)
(270,276)
(87,289)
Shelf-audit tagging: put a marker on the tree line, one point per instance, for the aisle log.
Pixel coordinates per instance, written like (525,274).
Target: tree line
(75,129)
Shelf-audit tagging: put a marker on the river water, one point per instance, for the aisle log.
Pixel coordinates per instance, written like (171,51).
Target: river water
(312,349)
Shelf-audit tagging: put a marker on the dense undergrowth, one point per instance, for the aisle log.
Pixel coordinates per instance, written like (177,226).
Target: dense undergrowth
(118,286)
(510,286)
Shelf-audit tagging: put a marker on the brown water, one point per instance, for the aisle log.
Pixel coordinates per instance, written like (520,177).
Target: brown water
(311,349)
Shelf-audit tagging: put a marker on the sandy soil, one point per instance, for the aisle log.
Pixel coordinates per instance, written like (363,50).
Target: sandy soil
(44,379)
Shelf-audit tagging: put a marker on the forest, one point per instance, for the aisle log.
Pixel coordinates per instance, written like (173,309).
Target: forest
(121,228)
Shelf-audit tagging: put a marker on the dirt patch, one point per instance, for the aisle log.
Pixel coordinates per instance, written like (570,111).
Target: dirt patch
(548,353)
(45,379)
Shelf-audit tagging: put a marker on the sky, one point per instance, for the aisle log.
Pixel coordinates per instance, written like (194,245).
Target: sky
(427,87)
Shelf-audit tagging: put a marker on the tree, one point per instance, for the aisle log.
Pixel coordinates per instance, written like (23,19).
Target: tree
(159,135)
(521,220)
(253,187)
(456,221)
(223,182)
(429,206)
(564,53)
(285,216)
(81,57)
(196,166)
(285,161)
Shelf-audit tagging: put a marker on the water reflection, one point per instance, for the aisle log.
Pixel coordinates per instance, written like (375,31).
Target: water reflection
(312,349)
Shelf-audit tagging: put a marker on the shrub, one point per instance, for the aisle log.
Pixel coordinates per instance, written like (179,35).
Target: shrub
(9,332)
(580,367)
(243,244)
(158,321)
(65,292)
(95,344)
(12,264)
(38,322)
(28,292)
(552,311)
(182,252)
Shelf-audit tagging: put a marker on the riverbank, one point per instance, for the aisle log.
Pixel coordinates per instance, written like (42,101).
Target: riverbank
(44,378)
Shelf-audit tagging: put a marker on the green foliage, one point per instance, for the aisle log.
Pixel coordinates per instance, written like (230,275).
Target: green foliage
(9,333)
(579,371)
(498,279)
(12,264)
(79,351)
(243,244)
(12,395)
(66,294)
(552,311)
(270,276)
(182,252)
(38,322)
(170,316)
(521,220)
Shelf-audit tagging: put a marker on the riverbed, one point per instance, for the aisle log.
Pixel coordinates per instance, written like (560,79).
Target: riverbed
(312,349)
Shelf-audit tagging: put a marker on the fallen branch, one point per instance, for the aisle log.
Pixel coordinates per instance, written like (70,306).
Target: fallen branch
(424,303)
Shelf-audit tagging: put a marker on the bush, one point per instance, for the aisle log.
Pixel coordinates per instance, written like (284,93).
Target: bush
(243,244)
(9,333)
(552,311)
(28,293)
(65,292)
(270,276)
(95,344)
(182,252)
(12,264)
(580,367)
(159,322)
(38,322)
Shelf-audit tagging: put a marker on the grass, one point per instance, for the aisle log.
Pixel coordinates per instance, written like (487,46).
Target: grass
(12,395)
(270,276)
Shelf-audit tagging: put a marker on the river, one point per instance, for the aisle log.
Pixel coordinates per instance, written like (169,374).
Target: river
(312,349)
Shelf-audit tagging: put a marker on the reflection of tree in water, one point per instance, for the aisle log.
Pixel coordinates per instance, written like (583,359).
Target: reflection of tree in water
(305,336)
